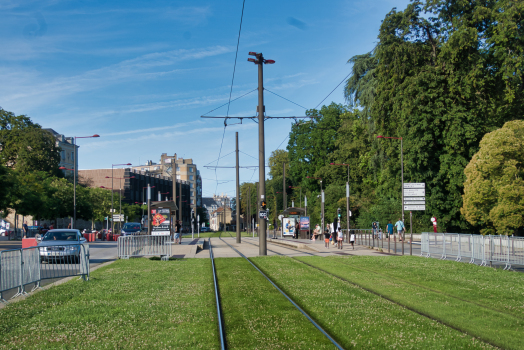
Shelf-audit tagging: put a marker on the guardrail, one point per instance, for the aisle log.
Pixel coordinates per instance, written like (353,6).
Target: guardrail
(22,267)
(474,248)
(139,245)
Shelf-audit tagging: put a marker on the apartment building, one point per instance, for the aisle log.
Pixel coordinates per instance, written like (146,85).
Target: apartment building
(185,170)
(68,151)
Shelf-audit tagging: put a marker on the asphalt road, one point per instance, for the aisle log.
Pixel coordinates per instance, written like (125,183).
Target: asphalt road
(99,252)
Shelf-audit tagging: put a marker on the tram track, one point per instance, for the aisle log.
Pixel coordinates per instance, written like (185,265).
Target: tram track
(421,313)
(223,333)
(397,279)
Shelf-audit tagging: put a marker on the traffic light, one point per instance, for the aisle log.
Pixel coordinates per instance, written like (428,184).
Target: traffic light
(263,205)
(338,212)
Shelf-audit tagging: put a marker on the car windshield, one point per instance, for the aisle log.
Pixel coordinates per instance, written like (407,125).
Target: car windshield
(131,227)
(60,236)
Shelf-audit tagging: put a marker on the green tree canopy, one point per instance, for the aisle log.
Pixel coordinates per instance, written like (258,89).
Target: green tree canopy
(25,146)
(494,187)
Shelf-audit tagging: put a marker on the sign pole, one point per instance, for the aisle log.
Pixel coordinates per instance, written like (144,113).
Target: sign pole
(148,209)
(411,229)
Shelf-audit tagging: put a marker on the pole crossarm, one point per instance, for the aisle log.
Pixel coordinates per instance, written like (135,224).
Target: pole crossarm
(255,117)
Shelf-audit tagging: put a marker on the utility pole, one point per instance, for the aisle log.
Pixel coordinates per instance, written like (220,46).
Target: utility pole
(237,218)
(262,244)
(248,203)
(284,193)
(173,172)
(180,207)
(149,210)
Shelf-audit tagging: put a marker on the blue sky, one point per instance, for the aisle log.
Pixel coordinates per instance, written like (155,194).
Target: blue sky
(141,73)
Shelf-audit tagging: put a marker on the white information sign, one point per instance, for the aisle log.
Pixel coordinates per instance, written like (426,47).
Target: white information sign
(415,185)
(414,192)
(118,218)
(415,202)
(414,207)
(414,198)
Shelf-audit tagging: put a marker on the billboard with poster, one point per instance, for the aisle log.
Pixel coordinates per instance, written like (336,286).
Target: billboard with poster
(304,223)
(288,226)
(160,222)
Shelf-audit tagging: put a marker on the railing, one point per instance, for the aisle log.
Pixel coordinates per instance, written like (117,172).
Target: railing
(21,267)
(474,248)
(139,245)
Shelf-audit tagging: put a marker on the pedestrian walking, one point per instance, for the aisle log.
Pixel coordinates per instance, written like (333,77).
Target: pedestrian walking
(178,226)
(340,238)
(26,229)
(352,240)
(400,228)
(389,229)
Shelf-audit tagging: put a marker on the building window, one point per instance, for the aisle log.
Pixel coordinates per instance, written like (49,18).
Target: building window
(191,170)
(191,177)
(178,177)
(192,193)
(157,168)
(73,155)
(191,184)
(63,155)
(177,168)
(192,202)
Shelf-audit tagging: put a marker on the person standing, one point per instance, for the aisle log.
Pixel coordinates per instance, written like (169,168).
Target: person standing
(352,240)
(26,229)
(297,229)
(327,234)
(374,227)
(340,237)
(400,228)
(389,229)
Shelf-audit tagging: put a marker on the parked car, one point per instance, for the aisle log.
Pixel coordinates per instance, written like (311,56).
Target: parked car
(131,228)
(205,229)
(61,244)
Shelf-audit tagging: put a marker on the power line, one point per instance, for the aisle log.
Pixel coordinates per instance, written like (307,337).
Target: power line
(333,90)
(236,55)
(230,91)
(284,98)
(220,158)
(233,100)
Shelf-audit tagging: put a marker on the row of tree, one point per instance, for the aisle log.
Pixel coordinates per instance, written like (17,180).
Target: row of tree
(31,183)
(443,75)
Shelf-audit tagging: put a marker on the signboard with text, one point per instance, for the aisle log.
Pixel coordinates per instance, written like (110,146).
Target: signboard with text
(161,222)
(414,196)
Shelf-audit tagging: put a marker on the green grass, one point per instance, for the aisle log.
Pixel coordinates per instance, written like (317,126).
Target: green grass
(357,318)
(256,315)
(489,324)
(135,303)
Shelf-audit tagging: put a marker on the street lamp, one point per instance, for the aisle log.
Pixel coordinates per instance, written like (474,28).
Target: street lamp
(321,201)
(113,165)
(120,191)
(402,179)
(401,168)
(347,197)
(143,197)
(75,169)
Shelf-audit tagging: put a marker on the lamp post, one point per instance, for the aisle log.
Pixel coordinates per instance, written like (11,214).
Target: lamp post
(402,179)
(112,166)
(75,169)
(120,193)
(321,203)
(143,197)
(347,197)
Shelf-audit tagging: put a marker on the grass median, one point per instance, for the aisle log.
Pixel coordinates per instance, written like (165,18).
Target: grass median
(489,324)
(217,234)
(257,316)
(135,303)
(358,318)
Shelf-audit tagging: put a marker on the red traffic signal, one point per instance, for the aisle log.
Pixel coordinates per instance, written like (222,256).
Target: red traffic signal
(269,61)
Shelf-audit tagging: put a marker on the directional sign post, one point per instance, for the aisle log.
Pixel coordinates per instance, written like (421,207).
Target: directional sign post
(414,196)
(118,217)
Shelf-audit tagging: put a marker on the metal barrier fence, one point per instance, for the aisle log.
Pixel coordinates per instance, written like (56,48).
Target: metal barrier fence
(384,241)
(474,248)
(21,267)
(138,245)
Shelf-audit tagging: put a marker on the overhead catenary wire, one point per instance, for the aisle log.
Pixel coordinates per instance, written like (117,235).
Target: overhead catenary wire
(231,90)
(333,90)
(284,98)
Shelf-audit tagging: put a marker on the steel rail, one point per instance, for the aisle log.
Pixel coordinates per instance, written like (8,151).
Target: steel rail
(288,298)
(447,324)
(219,313)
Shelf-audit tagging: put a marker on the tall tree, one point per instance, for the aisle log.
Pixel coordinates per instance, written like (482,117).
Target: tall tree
(26,146)
(494,187)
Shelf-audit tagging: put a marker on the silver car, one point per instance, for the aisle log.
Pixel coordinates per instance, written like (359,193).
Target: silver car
(61,244)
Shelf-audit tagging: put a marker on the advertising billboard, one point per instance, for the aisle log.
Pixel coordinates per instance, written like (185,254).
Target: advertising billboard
(160,222)
(304,223)
(288,226)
